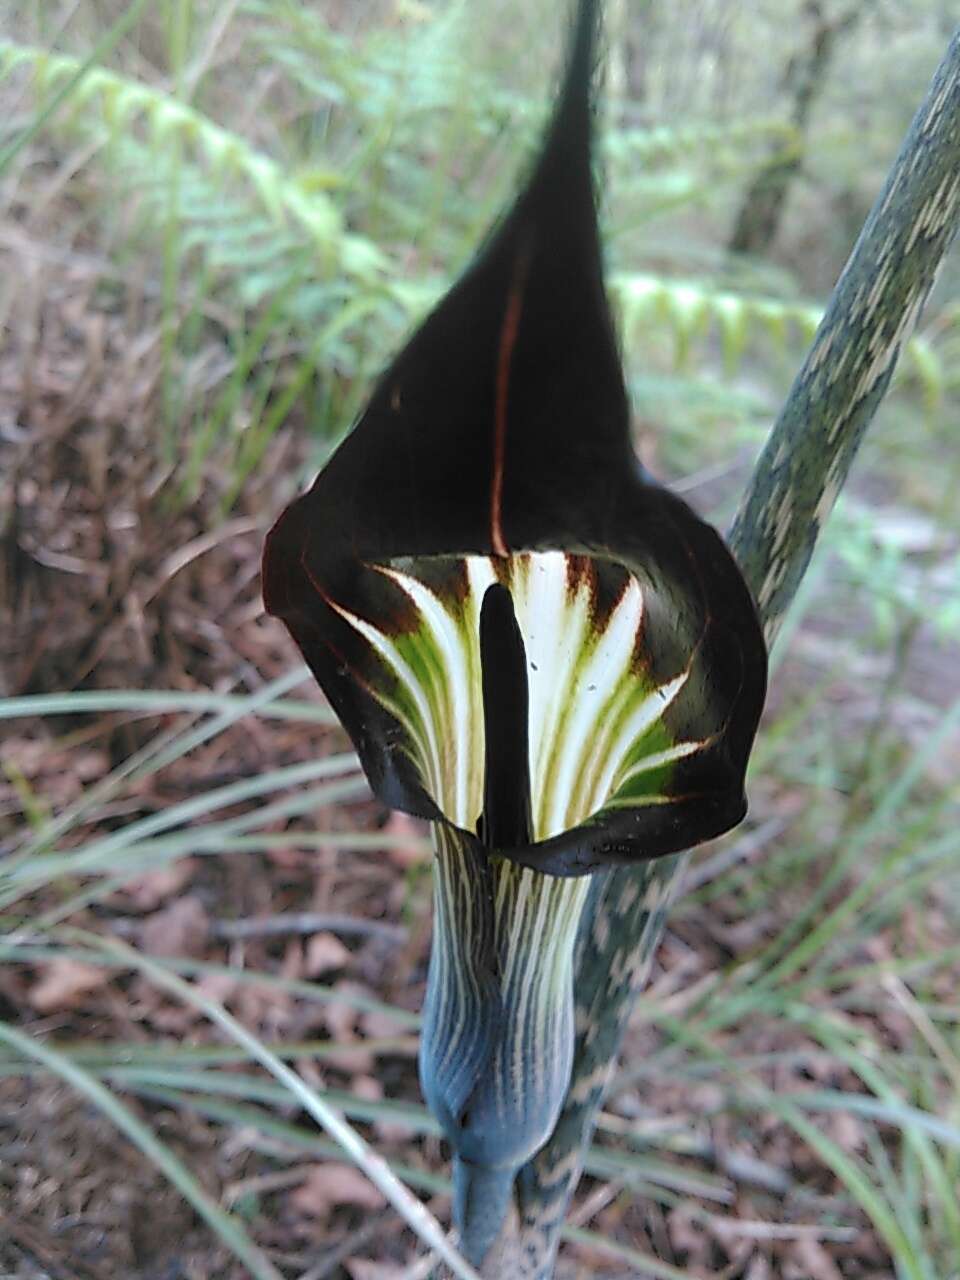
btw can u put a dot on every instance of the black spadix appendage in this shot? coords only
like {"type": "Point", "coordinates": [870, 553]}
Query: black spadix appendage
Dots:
{"type": "Point", "coordinates": [505, 821]}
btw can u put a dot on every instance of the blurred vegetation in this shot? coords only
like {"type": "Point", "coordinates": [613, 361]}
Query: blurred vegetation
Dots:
{"type": "Point", "coordinates": [316, 178]}
{"type": "Point", "coordinates": [292, 184]}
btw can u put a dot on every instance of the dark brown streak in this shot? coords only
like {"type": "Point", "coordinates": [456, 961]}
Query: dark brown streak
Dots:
{"type": "Point", "coordinates": [508, 339]}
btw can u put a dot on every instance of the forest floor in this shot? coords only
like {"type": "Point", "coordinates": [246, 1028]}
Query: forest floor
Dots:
{"type": "Point", "coordinates": [106, 585]}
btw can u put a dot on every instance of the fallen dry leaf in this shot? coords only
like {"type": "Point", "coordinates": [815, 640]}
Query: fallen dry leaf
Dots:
{"type": "Point", "coordinates": [291, 967]}
{"type": "Point", "coordinates": [181, 929]}
{"type": "Point", "coordinates": [325, 952]}
{"type": "Point", "coordinates": [758, 1269]}
{"type": "Point", "coordinates": [340, 1016]}
{"type": "Point", "coordinates": [218, 986]}
{"type": "Point", "coordinates": [401, 828]}
{"type": "Point", "coordinates": [63, 982]}
{"type": "Point", "coordinates": [351, 1056]}
{"type": "Point", "coordinates": [846, 1130]}
{"type": "Point", "coordinates": [328, 1185]}
{"type": "Point", "coordinates": [811, 1261]}
{"type": "Point", "coordinates": [370, 1089]}
{"type": "Point", "coordinates": [367, 1087]}
{"type": "Point", "coordinates": [148, 891]}
{"type": "Point", "coordinates": [367, 1269]}
{"type": "Point", "coordinates": [377, 1023]}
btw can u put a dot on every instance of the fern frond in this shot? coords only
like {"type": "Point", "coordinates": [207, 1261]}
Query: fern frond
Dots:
{"type": "Point", "coordinates": [110, 105]}
{"type": "Point", "coordinates": [692, 312]}
{"type": "Point", "coordinates": [266, 231]}
{"type": "Point", "coordinates": [657, 143]}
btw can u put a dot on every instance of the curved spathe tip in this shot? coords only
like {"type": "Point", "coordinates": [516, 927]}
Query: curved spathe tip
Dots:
{"type": "Point", "coordinates": [481, 1201]}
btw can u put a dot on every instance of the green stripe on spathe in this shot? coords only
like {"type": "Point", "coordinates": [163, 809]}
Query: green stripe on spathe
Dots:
{"type": "Point", "coordinates": [432, 684]}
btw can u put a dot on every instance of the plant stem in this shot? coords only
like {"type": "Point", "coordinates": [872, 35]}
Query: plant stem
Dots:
{"type": "Point", "coordinates": [873, 308]}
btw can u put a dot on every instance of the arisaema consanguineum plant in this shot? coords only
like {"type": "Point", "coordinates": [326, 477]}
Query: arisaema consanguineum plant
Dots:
{"type": "Point", "coordinates": [532, 644]}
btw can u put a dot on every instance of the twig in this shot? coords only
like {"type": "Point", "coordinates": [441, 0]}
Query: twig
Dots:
{"type": "Point", "coordinates": [742, 1229]}
{"type": "Point", "coordinates": [199, 546]}
{"type": "Point", "coordinates": [285, 922]}
{"type": "Point", "coordinates": [596, 1202]}
{"type": "Point", "coordinates": [308, 922]}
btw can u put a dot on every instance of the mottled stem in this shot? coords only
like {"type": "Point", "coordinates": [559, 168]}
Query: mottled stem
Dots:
{"type": "Point", "coordinates": [793, 488]}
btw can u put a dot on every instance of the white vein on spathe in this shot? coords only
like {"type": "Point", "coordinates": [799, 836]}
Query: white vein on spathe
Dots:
{"type": "Point", "coordinates": [576, 754]}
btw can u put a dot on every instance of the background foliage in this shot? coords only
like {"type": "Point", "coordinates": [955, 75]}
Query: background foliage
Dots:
{"type": "Point", "coordinates": [215, 229]}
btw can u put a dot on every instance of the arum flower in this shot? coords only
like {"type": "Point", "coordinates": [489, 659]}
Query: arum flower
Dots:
{"type": "Point", "coordinates": [532, 644]}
